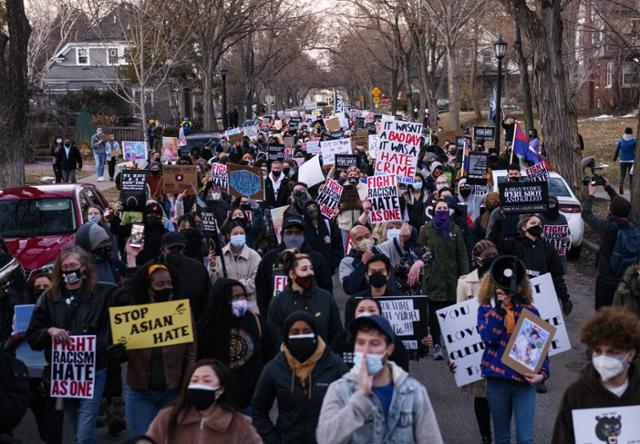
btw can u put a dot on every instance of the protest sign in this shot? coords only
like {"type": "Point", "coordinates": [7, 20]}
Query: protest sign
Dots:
{"type": "Point", "coordinates": [537, 173]}
{"type": "Point", "coordinates": [298, 160]}
{"type": "Point", "coordinates": [313, 145]}
{"type": "Point", "coordinates": [559, 236]}
{"type": "Point", "coordinates": [478, 162]}
{"type": "Point", "coordinates": [344, 161]}
{"type": "Point", "coordinates": [179, 178]}
{"type": "Point", "coordinates": [332, 124]}
{"type": "Point", "coordinates": [397, 150]}
{"type": "Point", "coordinates": [546, 301]}
{"type": "Point", "coordinates": [34, 360]}
{"type": "Point", "coordinates": [382, 191]}
{"type": "Point", "coordinates": [288, 153]}
{"type": "Point", "coordinates": [152, 325]}
{"type": "Point", "coordinates": [182, 140]}
{"type": "Point", "coordinates": [209, 224]}
{"type": "Point", "coordinates": [134, 150]}
{"type": "Point", "coordinates": [251, 131]}
{"type": "Point", "coordinates": [275, 152]}
{"type": "Point", "coordinates": [219, 178]}
{"type": "Point", "coordinates": [360, 139]}
{"type": "Point", "coordinates": [344, 122]}
{"type": "Point", "coordinates": [604, 425]}
{"type": "Point", "coordinates": [277, 124]}
{"type": "Point", "coordinates": [277, 219]}
{"type": "Point", "coordinates": [351, 199]}
{"type": "Point", "coordinates": [310, 172]}
{"type": "Point", "coordinates": [528, 344]}
{"type": "Point", "coordinates": [73, 367]}
{"type": "Point", "coordinates": [133, 191]}
{"type": "Point", "coordinates": [374, 141]}
{"type": "Point", "coordinates": [245, 181]}
{"type": "Point", "coordinates": [279, 284]}
{"type": "Point", "coordinates": [483, 133]}
{"type": "Point", "coordinates": [524, 197]}
{"type": "Point", "coordinates": [330, 148]}
{"type": "Point", "coordinates": [289, 142]}
{"type": "Point", "coordinates": [408, 316]}
{"type": "Point", "coordinates": [169, 149]}
{"type": "Point", "coordinates": [329, 199]}
{"type": "Point", "coordinates": [234, 135]}
{"type": "Point", "coordinates": [461, 143]}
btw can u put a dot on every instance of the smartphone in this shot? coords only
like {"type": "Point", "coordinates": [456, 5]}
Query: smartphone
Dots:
{"type": "Point", "coordinates": [137, 235]}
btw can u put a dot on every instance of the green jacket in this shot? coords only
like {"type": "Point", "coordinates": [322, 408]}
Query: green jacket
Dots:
{"type": "Point", "coordinates": [450, 262]}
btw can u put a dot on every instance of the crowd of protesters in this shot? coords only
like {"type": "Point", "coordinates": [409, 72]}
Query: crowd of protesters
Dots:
{"type": "Point", "coordinates": [335, 378]}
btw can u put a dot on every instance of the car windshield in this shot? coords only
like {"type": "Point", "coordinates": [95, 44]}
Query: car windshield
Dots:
{"type": "Point", "coordinates": [36, 217]}
{"type": "Point", "coordinates": [556, 186]}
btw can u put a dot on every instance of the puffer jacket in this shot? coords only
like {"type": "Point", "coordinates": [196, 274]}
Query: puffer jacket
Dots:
{"type": "Point", "coordinates": [349, 417]}
{"type": "Point", "coordinates": [626, 149]}
{"type": "Point", "coordinates": [628, 292]}
{"type": "Point", "coordinates": [450, 262]}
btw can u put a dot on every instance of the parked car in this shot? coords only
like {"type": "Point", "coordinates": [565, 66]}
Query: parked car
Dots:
{"type": "Point", "coordinates": [36, 222]}
{"type": "Point", "coordinates": [198, 140]}
{"type": "Point", "coordinates": [569, 205]}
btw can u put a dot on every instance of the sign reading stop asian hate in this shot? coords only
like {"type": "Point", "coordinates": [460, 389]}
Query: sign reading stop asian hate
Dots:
{"type": "Point", "coordinates": [382, 192]}
{"type": "Point", "coordinates": [73, 367]}
{"type": "Point", "coordinates": [397, 150]}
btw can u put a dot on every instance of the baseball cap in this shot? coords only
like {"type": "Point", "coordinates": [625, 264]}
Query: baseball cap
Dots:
{"type": "Point", "coordinates": [376, 321]}
{"type": "Point", "coordinates": [173, 239]}
{"type": "Point", "coordinates": [291, 221]}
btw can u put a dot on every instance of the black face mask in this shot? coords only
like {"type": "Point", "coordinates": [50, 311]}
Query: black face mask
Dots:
{"type": "Point", "coordinates": [188, 233]}
{"type": "Point", "coordinates": [301, 199]}
{"type": "Point", "coordinates": [102, 253]}
{"type": "Point", "coordinates": [313, 213]}
{"type": "Point", "coordinates": [377, 279]}
{"type": "Point", "coordinates": [286, 171]}
{"type": "Point", "coordinates": [153, 220]}
{"type": "Point", "coordinates": [535, 231]}
{"type": "Point", "coordinates": [155, 172]}
{"type": "Point", "coordinates": [514, 179]}
{"type": "Point", "coordinates": [552, 213]}
{"type": "Point", "coordinates": [72, 277]}
{"type": "Point", "coordinates": [201, 398]}
{"type": "Point", "coordinates": [162, 295]}
{"type": "Point", "coordinates": [173, 258]}
{"type": "Point", "coordinates": [353, 180]}
{"type": "Point", "coordinates": [301, 347]}
{"type": "Point", "coordinates": [464, 192]}
{"type": "Point", "coordinates": [275, 173]}
{"type": "Point", "coordinates": [490, 208]}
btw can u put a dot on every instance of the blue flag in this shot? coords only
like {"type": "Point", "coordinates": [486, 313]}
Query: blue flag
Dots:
{"type": "Point", "coordinates": [492, 106]}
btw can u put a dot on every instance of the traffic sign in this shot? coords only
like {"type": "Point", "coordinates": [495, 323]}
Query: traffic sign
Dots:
{"type": "Point", "coordinates": [375, 92]}
{"type": "Point", "coordinates": [376, 100]}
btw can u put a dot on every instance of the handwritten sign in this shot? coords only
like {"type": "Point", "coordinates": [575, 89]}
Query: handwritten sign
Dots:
{"type": "Point", "coordinates": [245, 181]}
{"type": "Point", "coordinates": [133, 190]}
{"type": "Point", "coordinates": [277, 219]}
{"type": "Point", "coordinates": [332, 124]}
{"type": "Point", "coordinates": [134, 150]}
{"type": "Point", "coordinates": [152, 325]}
{"type": "Point", "coordinates": [477, 172]}
{"type": "Point", "coordinates": [330, 148]}
{"type": "Point", "coordinates": [329, 199]}
{"type": "Point", "coordinates": [179, 178]}
{"type": "Point", "coordinates": [537, 173]}
{"type": "Point", "coordinates": [398, 148]}
{"type": "Point", "coordinates": [408, 316]}
{"type": "Point", "coordinates": [73, 367]}
{"type": "Point", "coordinates": [219, 178]}
{"type": "Point", "coordinates": [360, 139]}
{"type": "Point", "coordinates": [313, 145]}
{"type": "Point", "coordinates": [382, 191]}
{"type": "Point", "coordinates": [559, 236]}
{"type": "Point", "coordinates": [524, 197]}
{"type": "Point", "coordinates": [374, 142]}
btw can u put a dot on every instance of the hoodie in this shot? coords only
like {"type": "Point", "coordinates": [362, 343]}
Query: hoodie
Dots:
{"type": "Point", "coordinates": [626, 149]}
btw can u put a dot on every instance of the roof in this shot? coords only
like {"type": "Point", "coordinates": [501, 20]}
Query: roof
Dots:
{"type": "Point", "coordinates": [66, 73]}
{"type": "Point", "coordinates": [111, 27]}
{"type": "Point", "coordinates": [41, 191]}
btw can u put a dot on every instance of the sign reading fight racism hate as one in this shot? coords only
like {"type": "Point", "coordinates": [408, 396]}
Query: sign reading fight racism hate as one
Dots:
{"type": "Point", "coordinates": [73, 367]}
{"type": "Point", "coordinates": [397, 150]}
{"type": "Point", "coordinates": [382, 192]}
{"type": "Point", "coordinates": [219, 178]}
{"type": "Point", "coordinates": [329, 199]}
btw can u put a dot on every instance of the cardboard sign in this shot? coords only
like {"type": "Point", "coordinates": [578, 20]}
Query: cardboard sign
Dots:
{"type": "Point", "coordinates": [360, 139]}
{"type": "Point", "coordinates": [169, 149]}
{"type": "Point", "coordinates": [133, 191]}
{"type": "Point", "coordinates": [219, 178]}
{"type": "Point", "coordinates": [277, 219]}
{"type": "Point", "coordinates": [528, 344]}
{"type": "Point", "coordinates": [73, 367]}
{"type": "Point", "coordinates": [603, 425]}
{"type": "Point", "coordinates": [245, 181]}
{"type": "Point", "coordinates": [344, 161]}
{"type": "Point", "coordinates": [559, 236]}
{"type": "Point", "coordinates": [537, 173]}
{"type": "Point", "coordinates": [329, 199]}
{"type": "Point", "coordinates": [234, 135]}
{"type": "Point", "coordinates": [275, 152]}
{"type": "Point", "coordinates": [478, 162]}
{"type": "Point", "coordinates": [179, 178]}
{"type": "Point", "coordinates": [152, 325]}
{"type": "Point", "coordinates": [313, 145]}
{"type": "Point", "coordinates": [483, 133]}
{"type": "Point", "coordinates": [408, 315]}
{"type": "Point", "coordinates": [382, 191]}
{"type": "Point", "coordinates": [330, 148]}
{"type": "Point", "coordinates": [279, 284]}
{"type": "Point", "coordinates": [332, 124]}
{"type": "Point", "coordinates": [524, 197]}
{"type": "Point", "coordinates": [134, 150]}
{"type": "Point", "coordinates": [398, 149]}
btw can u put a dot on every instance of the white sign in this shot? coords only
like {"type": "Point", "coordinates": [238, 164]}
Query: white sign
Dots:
{"type": "Point", "coordinates": [329, 199]}
{"type": "Point", "coordinates": [606, 425]}
{"type": "Point", "coordinates": [397, 150]}
{"type": "Point", "coordinates": [330, 148]}
{"type": "Point", "coordinates": [310, 173]}
{"type": "Point", "coordinates": [313, 145]}
{"type": "Point", "coordinates": [546, 301]}
{"type": "Point", "coordinates": [374, 140]}
{"type": "Point", "coordinates": [73, 367]}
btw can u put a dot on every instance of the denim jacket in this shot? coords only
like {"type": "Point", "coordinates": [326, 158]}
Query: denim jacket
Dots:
{"type": "Point", "coordinates": [349, 417]}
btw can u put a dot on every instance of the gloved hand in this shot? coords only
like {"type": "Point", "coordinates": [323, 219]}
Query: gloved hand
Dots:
{"type": "Point", "coordinates": [14, 341]}
{"type": "Point", "coordinates": [116, 353]}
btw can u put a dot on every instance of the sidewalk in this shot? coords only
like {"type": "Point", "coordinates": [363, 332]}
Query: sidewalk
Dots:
{"type": "Point", "coordinates": [44, 170]}
{"type": "Point", "coordinates": [602, 194]}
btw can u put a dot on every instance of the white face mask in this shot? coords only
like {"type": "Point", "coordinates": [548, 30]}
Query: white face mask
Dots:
{"type": "Point", "coordinates": [393, 233]}
{"type": "Point", "coordinates": [609, 366]}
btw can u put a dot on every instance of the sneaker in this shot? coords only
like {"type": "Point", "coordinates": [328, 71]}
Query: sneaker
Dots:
{"type": "Point", "coordinates": [100, 179]}
{"type": "Point", "coordinates": [540, 387]}
{"type": "Point", "coordinates": [437, 352]}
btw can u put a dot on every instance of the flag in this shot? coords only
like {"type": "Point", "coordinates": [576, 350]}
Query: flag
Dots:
{"type": "Point", "coordinates": [520, 144]}
{"type": "Point", "coordinates": [340, 106]}
{"type": "Point", "coordinates": [492, 106]}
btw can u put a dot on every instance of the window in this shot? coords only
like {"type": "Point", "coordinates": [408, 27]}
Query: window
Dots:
{"type": "Point", "coordinates": [609, 75]}
{"type": "Point", "coordinates": [82, 56]}
{"type": "Point", "coordinates": [628, 75]}
{"type": "Point", "coordinates": [127, 55]}
{"type": "Point", "coordinates": [36, 217]}
{"type": "Point", "coordinates": [112, 56]}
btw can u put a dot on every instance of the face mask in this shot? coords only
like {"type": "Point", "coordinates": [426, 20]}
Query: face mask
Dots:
{"type": "Point", "coordinates": [94, 218]}
{"type": "Point", "coordinates": [302, 346]}
{"type": "Point", "coordinates": [304, 281]}
{"type": "Point", "coordinates": [365, 245]}
{"type": "Point", "coordinates": [393, 233]}
{"type": "Point", "coordinates": [440, 217]}
{"type": "Point", "coordinates": [417, 186]}
{"type": "Point", "coordinates": [155, 172]}
{"type": "Point", "coordinates": [72, 277]}
{"type": "Point", "coordinates": [374, 363]}
{"type": "Point", "coordinates": [188, 233]}
{"type": "Point", "coordinates": [286, 171]}
{"type": "Point", "coordinates": [552, 213]}
{"type": "Point", "coordinates": [514, 179]}
{"type": "Point", "coordinates": [490, 208]}
{"type": "Point", "coordinates": [609, 366]}
{"type": "Point", "coordinates": [377, 279]}
{"type": "Point", "coordinates": [535, 231]}
{"type": "Point", "coordinates": [238, 240]}
{"type": "Point", "coordinates": [239, 307]}
{"type": "Point", "coordinates": [301, 199]}
{"type": "Point", "coordinates": [67, 145]}
{"type": "Point", "coordinates": [313, 213]}
{"type": "Point", "coordinates": [154, 219]}
{"type": "Point", "coordinates": [364, 314]}
{"type": "Point", "coordinates": [464, 192]}
{"type": "Point", "coordinates": [353, 180]}
{"type": "Point", "coordinates": [102, 253]}
{"type": "Point", "coordinates": [58, 141]}
{"type": "Point", "coordinates": [275, 173]}
{"type": "Point", "coordinates": [201, 396]}
{"type": "Point", "coordinates": [293, 240]}
{"type": "Point", "coordinates": [38, 290]}
{"type": "Point", "coordinates": [162, 295]}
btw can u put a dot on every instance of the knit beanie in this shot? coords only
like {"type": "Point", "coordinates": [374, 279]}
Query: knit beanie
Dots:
{"type": "Point", "coordinates": [620, 207]}
{"type": "Point", "coordinates": [90, 236]}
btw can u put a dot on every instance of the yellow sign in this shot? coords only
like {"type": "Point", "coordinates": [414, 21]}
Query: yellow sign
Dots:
{"type": "Point", "coordinates": [152, 325]}
{"type": "Point", "coordinates": [376, 100]}
{"type": "Point", "coordinates": [375, 92]}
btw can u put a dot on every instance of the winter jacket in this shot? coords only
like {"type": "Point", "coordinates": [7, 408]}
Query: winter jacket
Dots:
{"type": "Point", "coordinates": [221, 427]}
{"type": "Point", "coordinates": [626, 149]}
{"type": "Point", "coordinates": [176, 361]}
{"type": "Point", "coordinates": [97, 145]}
{"type": "Point", "coordinates": [351, 273]}
{"type": "Point", "coordinates": [491, 326]}
{"type": "Point", "coordinates": [502, 228]}
{"type": "Point", "coordinates": [588, 392]}
{"type": "Point", "coordinates": [628, 292]}
{"type": "Point", "coordinates": [349, 417]}
{"type": "Point", "coordinates": [450, 262]}
{"type": "Point", "coordinates": [86, 315]}
{"type": "Point", "coordinates": [297, 414]}
{"type": "Point", "coordinates": [71, 162]}
{"type": "Point", "coordinates": [315, 301]}
{"type": "Point", "coordinates": [242, 268]}
{"type": "Point", "coordinates": [273, 199]}
{"type": "Point", "coordinates": [468, 286]}
{"type": "Point", "coordinates": [326, 240]}
{"type": "Point", "coordinates": [14, 391]}
{"type": "Point", "coordinates": [416, 208]}
{"type": "Point", "coordinates": [111, 148]}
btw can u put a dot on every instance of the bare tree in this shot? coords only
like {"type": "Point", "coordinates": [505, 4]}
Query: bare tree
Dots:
{"type": "Point", "coordinates": [525, 84]}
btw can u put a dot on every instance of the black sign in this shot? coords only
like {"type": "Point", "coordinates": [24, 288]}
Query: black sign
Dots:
{"type": "Point", "coordinates": [371, 127]}
{"type": "Point", "coordinates": [344, 161]}
{"type": "Point", "coordinates": [482, 133]}
{"type": "Point", "coordinates": [460, 142]}
{"type": "Point", "coordinates": [409, 317]}
{"type": "Point", "coordinates": [476, 174]}
{"type": "Point", "coordinates": [209, 225]}
{"type": "Point", "coordinates": [360, 122]}
{"type": "Point", "coordinates": [275, 152]}
{"type": "Point", "coordinates": [133, 194]}
{"type": "Point", "coordinates": [524, 197]}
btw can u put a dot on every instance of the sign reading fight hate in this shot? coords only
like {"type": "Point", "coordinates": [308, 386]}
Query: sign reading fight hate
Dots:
{"type": "Point", "coordinates": [152, 325]}
{"type": "Point", "coordinates": [73, 367]}
{"type": "Point", "coordinates": [397, 150]}
{"type": "Point", "coordinates": [329, 199]}
{"type": "Point", "coordinates": [382, 192]}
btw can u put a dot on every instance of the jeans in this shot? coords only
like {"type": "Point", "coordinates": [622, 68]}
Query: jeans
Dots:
{"type": "Point", "coordinates": [100, 159]}
{"type": "Point", "coordinates": [142, 406]}
{"type": "Point", "coordinates": [82, 413]}
{"type": "Point", "coordinates": [68, 176]}
{"type": "Point", "coordinates": [507, 398]}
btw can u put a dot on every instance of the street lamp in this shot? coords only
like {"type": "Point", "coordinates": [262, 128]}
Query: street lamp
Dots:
{"type": "Point", "coordinates": [499, 47]}
{"type": "Point", "coordinates": [225, 119]}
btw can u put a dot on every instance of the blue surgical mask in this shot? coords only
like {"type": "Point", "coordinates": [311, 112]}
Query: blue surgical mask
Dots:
{"type": "Point", "coordinates": [293, 241]}
{"type": "Point", "coordinates": [393, 233]}
{"type": "Point", "coordinates": [238, 240]}
{"type": "Point", "coordinates": [94, 218]}
{"type": "Point", "coordinates": [417, 186]}
{"type": "Point", "coordinates": [239, 307]}
{"type": "Point", "coordinates": [374, 363]}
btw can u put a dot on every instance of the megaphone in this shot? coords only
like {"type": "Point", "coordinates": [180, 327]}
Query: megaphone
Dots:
{"type": "Point", "coordinates": [508, 272]}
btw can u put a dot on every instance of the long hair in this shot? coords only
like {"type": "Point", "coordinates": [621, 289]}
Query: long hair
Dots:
{"type": "Point", "coordinates": [488, 290]}
{"type": "Point", "coordinates": [138, 289]}
{"type": "Point", "coordinates": [89, 279]}
{"type": "Point", "coordinates": [182, 404]}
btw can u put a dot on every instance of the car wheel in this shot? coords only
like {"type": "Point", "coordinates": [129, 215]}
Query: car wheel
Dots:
{"type": "Point", "coordinates": [574, 253]}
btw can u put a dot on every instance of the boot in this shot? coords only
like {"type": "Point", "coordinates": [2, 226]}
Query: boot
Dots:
{"type": "Point", "coordinates": [115, 413]}
{"type": "Point", "coordinates": [102, 414]}
{"type": "Point", "coordinates": [621, 189]}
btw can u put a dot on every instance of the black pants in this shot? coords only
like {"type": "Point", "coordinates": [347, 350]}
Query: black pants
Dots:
{"type": "Point", "coordinates": [625, 167]}
{"type": "Point", "coordinates": [49, 420]}
{"type": "Point", "coordinates": [434, 325]}
{"type": "Point", "coordinates": [57, 171]}
{"type": "Point", "coordinates": [483, 416]}
{"type": "Point", "coordinates": [112, 166]}
{"type": "Point", "coordinates": [605, 289]}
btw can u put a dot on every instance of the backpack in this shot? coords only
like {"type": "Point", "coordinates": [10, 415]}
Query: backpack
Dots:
{"type": "Point", "coordinates": [626, 249]}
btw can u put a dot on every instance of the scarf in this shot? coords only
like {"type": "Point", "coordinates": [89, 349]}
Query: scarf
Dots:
{"type": "Point", "coordinates": [510, 316]}
{"type": "Point", "coordinates": [303, 370]}
{"type": "Point", "coordinates": [441, 224]}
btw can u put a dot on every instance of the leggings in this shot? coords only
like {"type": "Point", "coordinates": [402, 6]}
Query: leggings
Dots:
{"type": "Point", "coordinates": [483, 416]}
{"type": "Point", "coordinates": [625, 167]}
